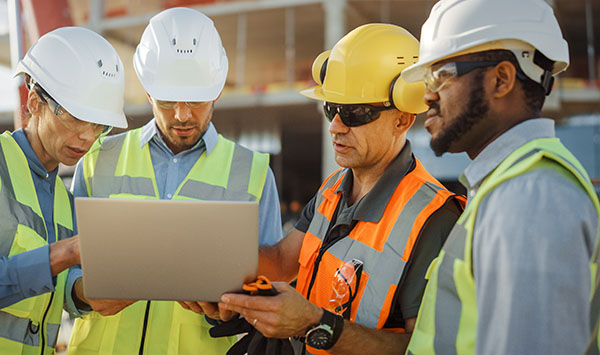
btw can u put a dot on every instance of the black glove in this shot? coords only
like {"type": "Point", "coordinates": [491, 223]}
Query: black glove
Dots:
{"type": "Point", "coordinates": [253, 343]}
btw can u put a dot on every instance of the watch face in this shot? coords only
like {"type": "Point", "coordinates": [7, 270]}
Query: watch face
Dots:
{"type": "Point", "coordinates": [318, 338]}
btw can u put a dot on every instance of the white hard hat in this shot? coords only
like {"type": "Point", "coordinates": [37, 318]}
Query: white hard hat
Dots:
{"type": "Point", "coordinates": [457, 27]}
{"type": "Point", "coordinates": [180, 57]}
{"type": "Point", "coordinates": [81, 71]}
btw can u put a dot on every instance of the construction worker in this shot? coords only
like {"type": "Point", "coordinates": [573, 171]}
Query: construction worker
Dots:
{"type": "Point", "coordinates": [363, 244]}
{"type": "Point", "coordinates": [75, 83]}
{"type": "Point", "coordinates": [182, 65]}
{"type": "Point", "coordinates": [514, 275]}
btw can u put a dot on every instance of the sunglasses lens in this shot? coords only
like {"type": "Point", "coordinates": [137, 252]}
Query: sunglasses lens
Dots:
{"type": "Point", "coordinates": [352, 115]}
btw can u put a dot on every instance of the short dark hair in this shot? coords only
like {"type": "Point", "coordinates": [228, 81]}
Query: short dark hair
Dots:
{"type": "Point", "coordinates": [534, 92]}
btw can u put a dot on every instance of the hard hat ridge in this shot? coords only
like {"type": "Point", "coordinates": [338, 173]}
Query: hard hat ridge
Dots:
{"type": "Point", "coordinates": [180, 57]}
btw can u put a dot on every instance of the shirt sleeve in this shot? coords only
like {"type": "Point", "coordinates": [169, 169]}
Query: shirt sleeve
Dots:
{"type": "Point", "coordinates": [25, 275]}
{"type": "Point", "coordinates": [533, 239]}
{"type": "Point", "coordinates": [429, 244]}
{"type": "Point", "coordinates": [307, 215]}
{"type": "Point", "coordinates": [269, 213]}
{"type": "Point", "coordinates": [78, 186]}
{"type": "Point", "coordinates": [79, 189]}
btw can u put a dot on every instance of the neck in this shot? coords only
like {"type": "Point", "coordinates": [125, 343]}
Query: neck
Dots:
{"type": "Point", "coordinates": [37, 146]}
{"type": "Point", "coordinates": [364, 178]}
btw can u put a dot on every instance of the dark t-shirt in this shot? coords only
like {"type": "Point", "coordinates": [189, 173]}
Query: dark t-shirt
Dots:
{"type": "Point", "coordinates": [370, 208]}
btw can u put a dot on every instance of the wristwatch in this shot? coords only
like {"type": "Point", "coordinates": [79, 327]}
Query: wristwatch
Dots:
{"type": "Point", "coordinates": [325, 334]}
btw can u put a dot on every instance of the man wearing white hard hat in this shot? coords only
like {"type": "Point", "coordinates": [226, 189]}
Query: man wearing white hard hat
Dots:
{"type": "Point", "coordinates": [75, 82]}
{"type": "Point", "coordinates": [514, 275]}
{"type": "Point", "coordinates": [182, 65]}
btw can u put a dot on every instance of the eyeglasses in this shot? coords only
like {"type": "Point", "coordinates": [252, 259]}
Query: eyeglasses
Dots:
{"type": "Point", "coordinates": [169, 105]}
{"type": "Point", "coordinates": [435, 79]}
{"type": "Point", "coordinates": [354, 115]}
{"type": "Point", "coordinates": [347, 276]}
{"type": "Point", "coordinates": [72, 123]}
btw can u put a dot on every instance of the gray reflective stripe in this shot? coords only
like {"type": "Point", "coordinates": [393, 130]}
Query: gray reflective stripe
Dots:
{"type": "Point", "coordinates": [448, 306]}
{"type": "Point", "coordinates": [106, 164]}
{"type": "Point", "coordinates": [105, 185]}
{"type": "Point", "coordinates": [52, 334]}
{"type": "Point", "coordinates": [447, 309]}
{"type": "Point", "coordinates": [203, 191]}
{"type": "Point", "coordinates": [62, 232]}
{"type": "Point", "coordinates": [14, 210]}
{"type": "Point", "coordinates": [388, 267]}
{"type": "Point", "coordinates": [564, 159]}
{"type": "Point", "coordinates": [319, 224]}
{"type": "Point", "coordinates": [237, 181]}
{"type": "Point", "coordinates": [17, 329]}
{"type": "Point", "coordinates": [241, 167]}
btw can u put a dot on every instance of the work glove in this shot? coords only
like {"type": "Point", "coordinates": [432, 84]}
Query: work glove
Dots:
{"type": "Point", "coordinates": [253, 343]}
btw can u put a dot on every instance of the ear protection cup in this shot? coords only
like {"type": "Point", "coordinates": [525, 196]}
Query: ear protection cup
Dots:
{"type": "Point", "coordinates": [319, 67]}
{"type": "Point", "coordinates": [407, 96]}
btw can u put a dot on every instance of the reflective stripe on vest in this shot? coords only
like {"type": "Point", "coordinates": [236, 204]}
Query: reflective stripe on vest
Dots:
{"type": "Point", "coordinates": [447, 321]}
{"type": "Point", "coordinates": [121, 169]}
{"type": "Point", "coordinates": [384, 247]}
{"type": "Point", "coordinates": [21, 327]}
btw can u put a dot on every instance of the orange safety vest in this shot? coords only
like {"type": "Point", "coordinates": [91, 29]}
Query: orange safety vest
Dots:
{"type": "Point", "coordinates": [384, 247]}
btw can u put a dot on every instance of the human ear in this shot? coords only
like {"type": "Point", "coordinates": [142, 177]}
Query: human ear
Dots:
{"type": "Point", "coordinates": [33, 102]}
{"type": "Point", "coordinates": [505, 75]}
{"type": "Point", "coordinates": [403, 122]}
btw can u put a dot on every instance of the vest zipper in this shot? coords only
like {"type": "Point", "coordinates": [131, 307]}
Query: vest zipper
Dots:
{"type": "Point", "coordinates": [42, 325]}
{"type": "Point", "coordinates": [144, 328]}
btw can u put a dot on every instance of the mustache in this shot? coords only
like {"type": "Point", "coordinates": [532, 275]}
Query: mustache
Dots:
{"type": "Point", "coordinates": [434, 106]}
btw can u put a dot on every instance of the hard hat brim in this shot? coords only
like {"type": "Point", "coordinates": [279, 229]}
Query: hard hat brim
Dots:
{"type": "Point", "coordinates": [317, 93]}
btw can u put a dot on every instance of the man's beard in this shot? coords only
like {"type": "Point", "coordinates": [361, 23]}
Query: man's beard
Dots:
{"type": "Point", "coordinates": [477, 109]}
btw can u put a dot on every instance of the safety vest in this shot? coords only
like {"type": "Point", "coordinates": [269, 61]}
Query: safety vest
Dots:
{"type": "Point", "coordinates": [121, 168]}
{"type": "Point", "coordinates": [384, 247]}
{"type": "Point", "coordinates": [594, 345]}
{"type": "Point", "coordinates": [447, 321]}
{"type": "Point", "coordinates": [29, 326]}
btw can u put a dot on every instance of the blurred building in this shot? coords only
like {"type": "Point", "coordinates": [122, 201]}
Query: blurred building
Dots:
{"type": "Point", "coordinates": [271, 45]}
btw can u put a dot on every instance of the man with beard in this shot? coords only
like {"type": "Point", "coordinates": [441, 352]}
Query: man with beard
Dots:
{"type": "Point", "coordinates": [362, 245]}
{"type": "Point", "coordinates": [514, 275]}
{"type": "Point", "coordinates": [182, 65]}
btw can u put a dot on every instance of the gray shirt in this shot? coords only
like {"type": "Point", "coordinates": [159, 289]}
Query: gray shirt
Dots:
{"type": "Point", "coordinates": [533, 239]}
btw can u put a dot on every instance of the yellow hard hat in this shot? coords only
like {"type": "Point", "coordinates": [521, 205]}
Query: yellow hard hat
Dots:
{"type": "Point", "coordinates": [365, 66]}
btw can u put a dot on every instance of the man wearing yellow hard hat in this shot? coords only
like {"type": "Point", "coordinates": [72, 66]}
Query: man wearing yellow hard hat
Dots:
{"type": "Point", "coordinates": [514, 275]}
{"type": "Point", "coordinates": [362, 246]}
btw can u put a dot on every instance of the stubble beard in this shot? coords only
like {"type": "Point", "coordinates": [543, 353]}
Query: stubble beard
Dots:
{"type": "Point", "coordinates": [477, 109]}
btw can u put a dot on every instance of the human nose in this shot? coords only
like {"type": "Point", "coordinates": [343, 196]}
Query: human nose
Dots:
{"type": "Point", "coordinates": [430, 96]}
{"type": "Point", "coordinates": [87, 132]}
{"type": "Point", "coordinates": [337, 126]}
{"type": "Point", "coordinates": [182, 112]}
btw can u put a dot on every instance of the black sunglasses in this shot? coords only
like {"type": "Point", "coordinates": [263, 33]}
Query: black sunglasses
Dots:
{"type": "Point", "coordinates": [354, 115]}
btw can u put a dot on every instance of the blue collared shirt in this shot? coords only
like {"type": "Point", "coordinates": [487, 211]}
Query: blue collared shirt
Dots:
{"type": "Point", "coordinates": [28, 274]}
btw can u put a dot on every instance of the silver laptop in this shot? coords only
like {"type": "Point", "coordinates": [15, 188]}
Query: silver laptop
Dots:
{"type": "Point", "coordinates": [166, 250]}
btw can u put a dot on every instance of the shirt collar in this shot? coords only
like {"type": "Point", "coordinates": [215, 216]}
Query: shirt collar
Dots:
{"type": "Point", "coordinates": [492, 155]}
{"type": "Point", "coordinates": [209, 138]}
{"type": "Point", "coordinates": [32, 159]}
{"type": "Point", "coordinates": [372, 206]}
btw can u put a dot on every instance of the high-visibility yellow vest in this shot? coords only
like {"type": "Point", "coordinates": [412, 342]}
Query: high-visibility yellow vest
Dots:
{"type": "Point", "coordinates": [385, 247]}
{"type": "Point", "coordinates": [29, 326]}
{"type": "Point", "coordinates": [594, 345]}
{"type": "Point", "coordinates": [122, 168]}
{"type": "Point", "coordinates": [447, 321]}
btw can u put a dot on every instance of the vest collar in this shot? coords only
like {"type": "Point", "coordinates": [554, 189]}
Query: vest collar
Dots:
{"type": "Point", "coordinates": [35, 165]}
{"type": "Point", "coordinates": [209, 139]}
{"type": "Point", "coordinates": [492, 155]}
{"type": "Point", "coordinates": [371, 207]}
